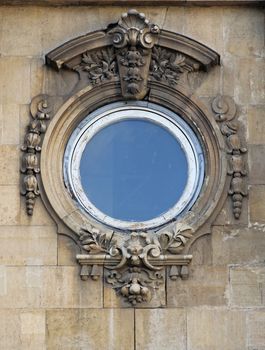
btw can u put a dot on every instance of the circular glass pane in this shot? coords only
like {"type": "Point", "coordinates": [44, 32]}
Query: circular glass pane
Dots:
{"type": "Point", "coordinates": [133, 170]}
{"type": "Point", "coordinates": [134, 166]}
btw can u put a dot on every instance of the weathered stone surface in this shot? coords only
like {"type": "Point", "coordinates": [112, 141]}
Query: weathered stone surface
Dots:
{"type": "Point", "coordinates": [226, 216]}
{"type": "Point", "coordinates": [35, 245]}
{"type": "Point", "coordinates": [216, 329]}
{"type": "Point", "coordinates": [255, 329]}
{"type": "Point", "coordinates": [90, 329]}
{"type": "Point", "coordinates": [243, 32]}
{"type": "Point", "coordinates": [160, 329]}
{"type": "Point", "coordinates": [257, 204]}
{"type": "Point", "coordinates": [18, 39]}
{"type": "Point", "coordinates": [10, 330]}
{"type": "Point", "coordinates": [67, 251]}
{"type": "Point", "coordinates": [9, 165]}
{"type": "Point", "coordinates": [256, 166]}
{"type": "Point", "coordinates": [9, 205]}
{"type": "Point", "coordinates": [49, 287]}
{"type": "Point", "coordinates": [237, 245]}
{"type": "Point", "coordinates": [247, 286]}
{"type": "Point", "coordinates": [41, 216]}
{"type": "Point", "coordinates": [9, 124]}
{"type": "Point", "coordinates": [206, 285]}
{"type": "Point", "coordinates": [14, 80]}
{"type": "Point", "coordinates": [32, 328]}
{"type": "Point", "coordinates": [256, 124]}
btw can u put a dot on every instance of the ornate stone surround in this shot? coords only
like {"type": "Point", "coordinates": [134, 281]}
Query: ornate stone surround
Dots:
{"type": "Point", "coordinates": [133, 60]}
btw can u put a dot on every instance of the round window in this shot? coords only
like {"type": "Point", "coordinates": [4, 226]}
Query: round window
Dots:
{"type": "Point", "coordinates": [134, 166]}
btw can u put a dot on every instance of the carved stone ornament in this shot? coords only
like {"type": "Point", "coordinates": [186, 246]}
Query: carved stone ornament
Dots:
{"type": "Point", "coordinates": [225, 110]}
{"type": "Point", "coordinates": [133, 60]}
{"type": "Point", "coordinates": [41, 112]}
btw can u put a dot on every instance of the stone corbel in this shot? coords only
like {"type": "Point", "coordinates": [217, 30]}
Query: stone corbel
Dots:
{"type": "Point", "coordinates": [134, 263]}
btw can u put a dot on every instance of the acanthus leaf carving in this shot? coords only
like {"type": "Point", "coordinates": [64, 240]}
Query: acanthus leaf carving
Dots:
{"type": "Point", "coordinates": [135, 263]}
{"type": "Point", "coordinates": [40, 112]}
{"type": "Point", "coordinates": [225, 110]}
{"type": "Point", "coordinates": [99, 65]}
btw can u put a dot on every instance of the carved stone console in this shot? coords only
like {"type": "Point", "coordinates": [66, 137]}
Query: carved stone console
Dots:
{"type": "Point", "coordinates": [133, 64]}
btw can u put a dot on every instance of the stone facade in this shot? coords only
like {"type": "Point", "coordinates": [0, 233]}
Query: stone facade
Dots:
{"type": "Point", "coordinates": [44, 303]}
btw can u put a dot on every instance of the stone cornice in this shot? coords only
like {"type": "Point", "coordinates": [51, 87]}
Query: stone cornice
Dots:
{"type": "Point", "coordinates": [132, 2]}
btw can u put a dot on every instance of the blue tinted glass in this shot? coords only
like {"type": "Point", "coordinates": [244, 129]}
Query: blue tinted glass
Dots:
{"type": "Point", "coordinates": [133, 170]}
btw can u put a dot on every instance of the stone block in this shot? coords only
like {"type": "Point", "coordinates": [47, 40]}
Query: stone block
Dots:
{"type": "Point", "coordinates": [243, 32]}
{"type": "Point", "coordinates": [9, 205]}
{"type": "Point", "coordinates": [257, 204]}
{"type": "Point", "coordinates": [32, 325]}
{"type": "Point", "coordinates": [256, 329]}
{"type": "Point", "coordinates": [9, 124]}
{"type": "Point", "coordinates": [37, 69]}
{"type": "Point", "coordinates": [14, 80]}
{"type": "Point", "coordinates": [175, 19]}
{"type": "Point", "coordinates": [249, 81]}
{"type": "Point", "coordinates": [9, 165]}
{"type": "Point", "coordinates": [256, 166]}
{"type": "Point", "coordinates": [113, 300]}
{"type": "Point", "coordinates": [247, 285]}
{"type": "Point", "coordinates": [91, 329]}
{"type": "Point", "coordinates": [208, 22]}
{"type": "Point", "coordinates": [206, 285]}
{"type": "Point", "coordinates": [206, 84]}
{"type": "Point", "coordinates": [216, 329]}
{"type": "Point", "coordinates": [49, 287]}
{"type": "Point", "coordinates": [22, 30]}
{"type": "Point", "coordinates": [256, 124]}
{"type": "Point", "coordinates": [10, 330]}
{"type": "Point", "coordinates": [237, 245]}
{"type": "Point", "coordinates": [160, 329]}
{"type": "Point", "coordinates": [60, 26]}
{"type": "Point", "coordinates": [22, 245]}
{"type": "Point", "coordinates": [67, 251]}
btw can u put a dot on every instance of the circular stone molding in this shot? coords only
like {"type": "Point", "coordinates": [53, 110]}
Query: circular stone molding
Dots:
{"type": "Point", "coordinates": [188, 122]}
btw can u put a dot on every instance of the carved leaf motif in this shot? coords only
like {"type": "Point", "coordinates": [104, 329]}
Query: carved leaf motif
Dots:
{"type": "Point", "coordinates": [100, 65]}
{"type": "Point", "coordinates": [174, 241]}
{"type": "Point", "coordinates": [93, 241]}
{"type": "Point", "coordinates": [166, 65]}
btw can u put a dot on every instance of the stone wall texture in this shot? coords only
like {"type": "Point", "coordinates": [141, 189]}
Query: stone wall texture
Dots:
{"type": "Point", "coordinates": [43, 302]}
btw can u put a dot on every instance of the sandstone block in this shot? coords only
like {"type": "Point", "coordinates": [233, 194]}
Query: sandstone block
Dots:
{"type": "Point", "coordinates": [256, 327]}
{"type": "Point", "coordinates": [244, 32]}
{"type": "Point", "coordinates": [33, 245]}
{"type": "Point", "coordinates": [9, 205]}
{"type": "Point", "coordinates": [160, 329]}
{"type": "Point", "coordinates": [216, 329]}
{"type": "Point", "coordinates": [90, 329]}
{"type": "Point", "coordinates": [22, 31]}
{"type": "Point", "coordinates": [256, 124]}
{"type": "Point", "coordinates": [9, 124]}
{"type": "Point", "coordinates": [257, 204]}
{"type": "Point", "coordinates": [206, 285]}
{"type": "Point", "coordinates": [14, 80]}
{"type": "Point", "coordinates": [247, 286]}
{"type": "Point", "coordinates": [237, 245]}
{"type": "Point", "coordinates": [10, 330]}
{"type": "Point", "coordinates": [256, 167]}
{"type": "Point", "coordinates": [9, 165]}
{"type": "Point", "coordinates": [49, 287]}
{"type": "Point", "coordinates": [32, 324]}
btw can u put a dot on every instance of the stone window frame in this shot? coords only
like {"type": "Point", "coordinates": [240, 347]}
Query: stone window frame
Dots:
{"type": "Point", "coordinates": [134, 263]}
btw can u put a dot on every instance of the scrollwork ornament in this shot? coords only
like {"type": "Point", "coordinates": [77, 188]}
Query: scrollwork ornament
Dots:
{"type": "Point", "coordinates": [40, 109]}
{"type": "Point", "coordinates": [225, 112]}
{"type": "Point", "coordinates": [134, 263]}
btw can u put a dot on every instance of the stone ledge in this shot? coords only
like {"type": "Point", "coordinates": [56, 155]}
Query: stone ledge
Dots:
{"type": "Point", "coordinates": [131, 2]}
